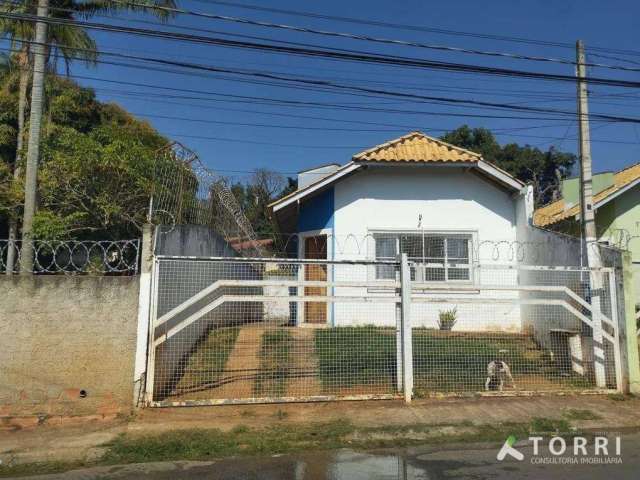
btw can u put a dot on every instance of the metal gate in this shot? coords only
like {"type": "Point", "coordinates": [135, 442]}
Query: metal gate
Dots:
{"type": "Point", "coordinates": [246, 330]}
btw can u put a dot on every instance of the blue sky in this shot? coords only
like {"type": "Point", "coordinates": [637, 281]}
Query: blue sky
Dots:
{"type": "Point", "coordinates": [331, 136]}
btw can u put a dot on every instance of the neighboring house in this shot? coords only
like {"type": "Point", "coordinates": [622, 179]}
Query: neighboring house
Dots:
{"type": "Point", "coordinates": [616, 202]}
{"type": "Point", "coordinates": [417, 195]}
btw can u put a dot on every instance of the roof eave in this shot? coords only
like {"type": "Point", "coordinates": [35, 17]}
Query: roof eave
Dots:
{"type": "Point", "coordinates": [596, 205]}
{"type": "Point", "coordinates": [320, 184]}
{"type": "Point", "coordinates": [500, 175]}
{"type": "Point", "coordinates": [488, 169]}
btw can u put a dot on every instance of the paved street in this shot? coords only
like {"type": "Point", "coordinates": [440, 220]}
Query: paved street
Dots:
{"type": "Point", "coordinates": [473, 462]}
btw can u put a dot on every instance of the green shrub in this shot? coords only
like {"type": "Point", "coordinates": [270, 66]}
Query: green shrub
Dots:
{"type": "Point", "coordinates": [447, 319]}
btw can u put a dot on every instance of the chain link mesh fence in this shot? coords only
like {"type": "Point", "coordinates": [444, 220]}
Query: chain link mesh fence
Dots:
{"type": "Point", "coordinates": [264, 330]}
{"type": "Point", "coordinates": [186, 192]}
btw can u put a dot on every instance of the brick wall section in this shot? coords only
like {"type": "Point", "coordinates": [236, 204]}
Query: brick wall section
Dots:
{"type": "Point", "coordinates": [62, 337]}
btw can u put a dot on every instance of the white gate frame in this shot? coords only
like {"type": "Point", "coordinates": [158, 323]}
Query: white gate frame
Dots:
{"type": "Point", "coordinates": [403, 297]}
{"type": "Point", "coordinates": [155, 322]}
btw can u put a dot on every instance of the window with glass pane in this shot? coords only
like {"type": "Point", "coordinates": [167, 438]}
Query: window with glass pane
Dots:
{"type": "Point", "coordinates": [385, 250]}
{"type": "Point", "coordinates": [436, 257]}
{"type": "Point", "coordinates": [458, 258]}
{"type": "Point", "coordinates": [413, 246]}
{"type": "Point", "coordinates": [434, 268]}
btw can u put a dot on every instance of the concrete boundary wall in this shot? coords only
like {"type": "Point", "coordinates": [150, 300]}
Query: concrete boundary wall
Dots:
{"type": "Point", "coordinates": [67, 345]}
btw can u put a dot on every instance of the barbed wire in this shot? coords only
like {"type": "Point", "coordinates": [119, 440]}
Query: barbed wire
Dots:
{"type": "Point", "coordinates": [77, 256]}
{"type": "Point", "coordinates": [622, 238]}
{"type": "Point", "coordinates": [562, 250]}
{"type": "Point", "coordinates": [187, 192]}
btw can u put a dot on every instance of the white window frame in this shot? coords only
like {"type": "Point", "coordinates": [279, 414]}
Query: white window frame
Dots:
{"type": "Point", "coordinates": [421, 267]}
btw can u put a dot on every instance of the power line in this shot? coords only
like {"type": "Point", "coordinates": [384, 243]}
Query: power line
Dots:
{"type": "Point", "coordinates": [162, 100]}
{"type": "Point", "coordinates": [255, 142]}
{"type": "Point", "coordinates": [369, 38]}
{"type": "Point", "coordinates": [296, 127]}
{"type": "Point", "coordinates": [267, 100]}
{"type": "Point", "coordinates": [611, 57]}
{"type": "Point", "coordinates": [146, 95]}
{"type": "Point", "coordinates": [310, 104]}
{"type": "Point", "coordinates": [353, 89]}
{"type": "Point", "coordinates": [537, 94]}
{"type": "Point", "coordinates": [400, 26]}
{"type": "Point", "coordinates": [333, 54]}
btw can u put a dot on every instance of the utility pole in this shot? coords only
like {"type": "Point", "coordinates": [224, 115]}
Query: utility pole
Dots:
{"type": "Point", "coordinates": [587, 215]}
{"type": "Point", "coordinates": [33, 149]}
{"type": "Point", "coordinates": [587, 219]}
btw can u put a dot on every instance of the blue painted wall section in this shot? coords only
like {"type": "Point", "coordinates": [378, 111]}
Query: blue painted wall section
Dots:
{"type": "Point", "coordinates": [317, 212]}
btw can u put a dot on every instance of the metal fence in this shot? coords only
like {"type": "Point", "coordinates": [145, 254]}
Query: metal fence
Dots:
{"type": "Point", "coordinates": [268, 330]}
{"type": "Point", "coordinates": [98, 257]}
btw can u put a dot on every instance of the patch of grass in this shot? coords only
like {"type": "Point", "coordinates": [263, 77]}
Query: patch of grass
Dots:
{"type": "Point", "coordinates": [275, 362]}
{"type": "Point", "coordinates": [349, 356]}
{"type": "Point", "coordinates": [238, 429]}
{"type": "Point", "coordinates": [38, 468]}
{"type": "Point", "coordinates": [580, 414]}
{"type": "Point", "coordinates": [281, 438]}
{"type": "Point", "coordinates": [458, 361]}
{"type": "Point", "coordinates": [619, 397]}
{"type": "Point", "coordinates": [442, 361]}
{"type": "Point", "coordinates": [543, 425]}
{"type": "Point", "coordinates": [208, 444]}
{"type": "Point", "coordinates": [206, 364]}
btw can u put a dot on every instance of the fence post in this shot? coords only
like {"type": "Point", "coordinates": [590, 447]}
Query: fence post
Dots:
{"type": "Point", "coordinates": [618, 347]}
{"type": "Point", "coordinates": [407, 346]}
{"type": "Point", "coordinates": [627, 327]}
{"type": "Point", "coordinates": [399, 350]}
{"type": "Point", "coordinates": [144, 302]}
{"type": "Point", "coordinates": [598, 339]}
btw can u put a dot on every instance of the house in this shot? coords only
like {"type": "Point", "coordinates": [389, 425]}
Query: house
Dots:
{"type": "Point", "coordinates": [617, 211]}
{"type": "Point", "coordinates": [444, 206]}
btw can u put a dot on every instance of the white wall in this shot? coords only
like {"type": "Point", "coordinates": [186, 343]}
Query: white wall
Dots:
{"type": "Point", "coordinates": [449, 199]}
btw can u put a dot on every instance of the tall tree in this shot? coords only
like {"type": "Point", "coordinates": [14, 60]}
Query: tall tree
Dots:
{"type": "Point", "coordinates": [543, 169]}
{"type": "Point", "coordinates": [68, 41]}
{"type": "Point", "coordinates": [33, 151]}
{"type": "Point", "coordinates": [96, 169]}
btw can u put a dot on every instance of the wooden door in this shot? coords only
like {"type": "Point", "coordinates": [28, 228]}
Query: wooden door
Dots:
{"type": "Point", "coordinates": [315, 248]}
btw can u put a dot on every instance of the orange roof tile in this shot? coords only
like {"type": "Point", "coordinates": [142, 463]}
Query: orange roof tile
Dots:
{"type": "Point", "coordinates": [416, 147]}
{"type": "Point", "coordinates": [413, 147]}
{"type": "Point", "coordinates": [556, 211]}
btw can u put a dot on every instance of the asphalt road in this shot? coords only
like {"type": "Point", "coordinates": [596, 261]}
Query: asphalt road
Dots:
{"type": "Point", "coordinates": [473, 462]}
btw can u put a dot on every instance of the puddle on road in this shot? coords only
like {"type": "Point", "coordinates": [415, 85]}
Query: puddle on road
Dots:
{"type": "Point", "coordinates": [341, 465]}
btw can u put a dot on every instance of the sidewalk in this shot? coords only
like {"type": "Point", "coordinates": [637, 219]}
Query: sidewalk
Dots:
{"type": "Point", "coordinates": [83, 442]}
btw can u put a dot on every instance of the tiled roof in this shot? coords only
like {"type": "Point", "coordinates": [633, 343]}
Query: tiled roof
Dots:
{"type": "Point", "coordinates": [416, 147]}
{"type": "Point", "coordinates": [554, 212]}
{"type": "Point", "coordinates": [413, 147]}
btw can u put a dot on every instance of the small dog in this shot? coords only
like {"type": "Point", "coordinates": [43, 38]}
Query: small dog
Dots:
{"type": "Point", "coordinates": [497, 372]}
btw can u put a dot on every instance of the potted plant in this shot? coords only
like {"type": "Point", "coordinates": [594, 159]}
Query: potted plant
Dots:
{"type": "Point", "coordinates": [447, 319]}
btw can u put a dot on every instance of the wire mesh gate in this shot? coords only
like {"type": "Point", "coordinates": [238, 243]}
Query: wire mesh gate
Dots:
{"type": "Point", "coordinates": [245, 330]}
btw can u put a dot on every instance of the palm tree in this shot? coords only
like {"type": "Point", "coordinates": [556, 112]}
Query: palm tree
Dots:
{"type": "Point", "coordinates": [71, 42]}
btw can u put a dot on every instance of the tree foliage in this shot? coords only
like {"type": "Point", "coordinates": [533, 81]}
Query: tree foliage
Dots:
{"type": "Point", "coordinates": [543, 169]}
{"type": "Point", "coordinates": [263, 187]}
{"type": "Point", "coordinates": [97, 164]}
